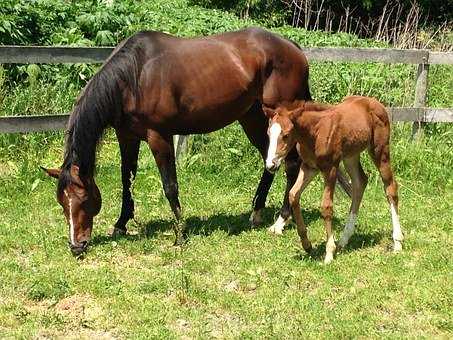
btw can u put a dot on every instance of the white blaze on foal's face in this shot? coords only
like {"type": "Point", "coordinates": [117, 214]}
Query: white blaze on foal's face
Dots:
{"type": "Point", "coordinates": [272, 159]}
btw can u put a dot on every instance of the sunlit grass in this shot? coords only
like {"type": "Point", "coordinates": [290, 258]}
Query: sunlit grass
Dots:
{"type": "Point", "coordinates": [229, 280]}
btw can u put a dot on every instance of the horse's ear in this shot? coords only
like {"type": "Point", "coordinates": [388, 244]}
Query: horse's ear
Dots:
{"type": "Point", "coordinates": [268, 112]}
{"type": "Point", "coordinates": [55, 173]}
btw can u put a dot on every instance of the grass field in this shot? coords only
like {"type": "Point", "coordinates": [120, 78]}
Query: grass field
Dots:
{"type": "Point", "coordinates": [229, 280]}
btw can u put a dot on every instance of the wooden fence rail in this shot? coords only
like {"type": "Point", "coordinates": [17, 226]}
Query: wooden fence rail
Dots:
{"type": "Point", "coordinates": [53, 55]}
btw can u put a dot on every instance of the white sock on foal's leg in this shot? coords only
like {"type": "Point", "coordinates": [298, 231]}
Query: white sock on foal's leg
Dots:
{"type": "Point", "coordinates": [279, 225]}
{"type": "Point", "coordinates": [330, 249]}
{"type": "Point", "coordinates": [397, 233]}
{"type": "Point", "coordinates": [348, 230]}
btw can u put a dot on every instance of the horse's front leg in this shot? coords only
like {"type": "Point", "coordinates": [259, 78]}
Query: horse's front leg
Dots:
{"type": "Point", "coordinates": [163, 151]}
{"type": "Point", "coordinates": [129, 148]}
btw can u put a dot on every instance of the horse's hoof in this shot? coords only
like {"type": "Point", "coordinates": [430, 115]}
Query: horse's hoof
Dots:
{"type": "Point", "coordinates": [115, 232]}
{"type": "Point", "coordinates": [255, 218]}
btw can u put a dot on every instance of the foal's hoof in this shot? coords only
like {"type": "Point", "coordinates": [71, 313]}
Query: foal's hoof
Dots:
{"type": "Point", "coordinates": [328, 259]}
{"type": "Point", "coordinates": [307, 247]}
{"type": "Point", "coordinates": [115, 232]}
{"type": "Point", "coordinates": [397, 247]}
{"type": "Point", "coordinates": [276, 230]}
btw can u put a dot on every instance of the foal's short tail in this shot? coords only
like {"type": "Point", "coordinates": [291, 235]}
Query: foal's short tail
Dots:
{"type": "Point", "coordinates": [344, 182]}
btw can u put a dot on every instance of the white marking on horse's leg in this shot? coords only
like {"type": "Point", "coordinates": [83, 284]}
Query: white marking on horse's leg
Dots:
{"type": "Point", "coordinates": [348, 230]}
{"type": "Point", "coordinates": [71, 221]}
{"type": "Point", "coordinates": [280, 223]}
{"type": "Point", "coordinates": [255, 217]}
{"type": "Point", "coordinates": [274, 132]}
{"type": "Point", "coordinates": [397, 233]}
{"type": "Point", "coordinates": [330, 249]}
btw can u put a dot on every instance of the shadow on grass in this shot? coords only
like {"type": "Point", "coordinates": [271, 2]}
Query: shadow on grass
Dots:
{"type": "Point", "coordinates": [237, 224]}
{"type": "Point", "coordinates": [357, 241]}
{"type": "Point", "coordinates": [228, 223]}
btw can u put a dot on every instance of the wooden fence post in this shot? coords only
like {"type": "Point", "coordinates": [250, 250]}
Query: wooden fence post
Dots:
{"type": "Point", "coordinates": [180, 145]}
{"type": "Point", "coordinates": [421, 90]}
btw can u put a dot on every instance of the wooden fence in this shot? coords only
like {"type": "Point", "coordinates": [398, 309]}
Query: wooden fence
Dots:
{"type": "Point", "coordinates": [53, 55]}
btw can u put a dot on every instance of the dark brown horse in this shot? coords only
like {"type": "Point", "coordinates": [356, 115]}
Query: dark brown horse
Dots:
{"type": "Point", "coordinates": [325, 136]}
{"type": "Point", "coordinates": [154, 86]}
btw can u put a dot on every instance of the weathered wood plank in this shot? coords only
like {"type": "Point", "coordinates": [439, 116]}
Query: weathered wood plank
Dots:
{"type": "Point", "coordinates": [33, 123]}
{"type": "Point", "coordinates": [445, 58]}
{"type": "Point", "coordinates": [438, 115]}
{"type": "Point", "coordinates": [427, 115]}
{"type": "Point", "coordinates": [58, 122]}
{"type": "Point", "coordinates": [52, 55]}
{"type": "Point", "coordinates": [390, 56]}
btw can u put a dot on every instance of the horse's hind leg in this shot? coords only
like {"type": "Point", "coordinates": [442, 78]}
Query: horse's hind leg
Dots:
{"type": "Point", "coordinates": [254, 124]}
{"type": "Point", "coordinates": [359, 182]}
{"type": "Point", "coordinates": [381, 157]}
{"type": "Point", "coordinates": [129, 148]}
{"type": "Point", "coordinates": [330, 177]}
{"type": "Point", "coordinates": [163, 151]}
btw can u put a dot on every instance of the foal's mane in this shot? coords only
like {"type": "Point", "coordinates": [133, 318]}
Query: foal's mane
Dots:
{"type": "Point", "coordinates": [99, 105]}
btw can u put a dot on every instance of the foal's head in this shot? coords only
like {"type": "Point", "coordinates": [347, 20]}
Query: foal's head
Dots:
{"type": "Point", "coordinates": [81, 201]}
{"type": "Point", "coordinates": [282, 134]}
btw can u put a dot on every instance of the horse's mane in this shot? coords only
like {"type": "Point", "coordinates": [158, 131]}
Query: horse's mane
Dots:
{"type": "Point", "coordinates": [99, 105]}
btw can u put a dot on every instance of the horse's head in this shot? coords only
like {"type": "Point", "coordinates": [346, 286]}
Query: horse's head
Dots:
{"type": "Point", "coordinates": [282, 134]}
{"type": "Point", "coordinates": [81, 201]}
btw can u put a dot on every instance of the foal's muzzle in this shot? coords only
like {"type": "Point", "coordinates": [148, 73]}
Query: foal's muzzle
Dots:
{"type": "Point", "coordinates": [78, 249]}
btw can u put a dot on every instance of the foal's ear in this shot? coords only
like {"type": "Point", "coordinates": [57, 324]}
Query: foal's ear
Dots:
{"type": "Point", "coordinates": [268, 112]}
{"type": "Point", "coordinates": [55, 173]}
{"type": "Point", "coordinates": [294, 114]}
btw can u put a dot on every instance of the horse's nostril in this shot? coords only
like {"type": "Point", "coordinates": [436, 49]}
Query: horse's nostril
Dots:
{"type": "Point", "coordinates": [76, 250]}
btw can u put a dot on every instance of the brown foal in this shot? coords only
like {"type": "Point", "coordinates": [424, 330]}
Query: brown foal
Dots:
{"type": "Point", "coordinates": [326, 135]}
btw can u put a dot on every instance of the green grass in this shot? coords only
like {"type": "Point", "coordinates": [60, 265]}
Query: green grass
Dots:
{"type": "Point", "coordinates": [229, 280]}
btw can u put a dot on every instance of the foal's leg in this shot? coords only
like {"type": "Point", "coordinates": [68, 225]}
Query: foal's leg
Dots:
{"type": "Point", "coordinates": [381, 157]}
{"type": "Point", "coordinates": [129, 148]}
{"type": "Point", "coordinates": [163, 151]}
{"type": "Point", "coordinates": [359, 182]}
{"type": "Point", "coordinates": [254, 124]}
{"type": "Point", "coordinates": [304, 177]}
{"type": "Point", "coordinates": [292, 166]}
{"type": "Point", "coordinates": [330, 176]}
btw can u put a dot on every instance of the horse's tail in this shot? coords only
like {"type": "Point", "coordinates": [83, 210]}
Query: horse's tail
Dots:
{"type": "Point", "coordinates": [100, 103]}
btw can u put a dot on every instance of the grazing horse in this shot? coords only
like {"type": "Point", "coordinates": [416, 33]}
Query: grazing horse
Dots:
{"type": "Point", "coordinates": [324, 136]}
{"type": "Point", "coordinates": [154, 86]}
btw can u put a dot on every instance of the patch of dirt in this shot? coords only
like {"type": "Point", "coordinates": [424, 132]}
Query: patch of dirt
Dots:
{"type": "Point", "coordinates": [182, 328]}
{"type": "Point", "coordinates": [223, 325]}
{"type": "Point", "coordinates": [81, 309]}
{"type": "Point", "coordinates": [83, 334]}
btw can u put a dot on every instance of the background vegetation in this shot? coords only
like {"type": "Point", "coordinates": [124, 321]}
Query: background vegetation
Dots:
{"type": "Point", "coordinates": [229, 281]}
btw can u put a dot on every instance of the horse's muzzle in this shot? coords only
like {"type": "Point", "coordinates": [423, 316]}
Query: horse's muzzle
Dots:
{"type": "Point", "coordinates": [77, 250]}
{"type": "Point", "coordinates": [272, 167]}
